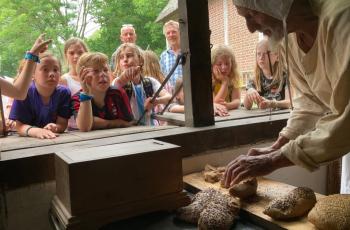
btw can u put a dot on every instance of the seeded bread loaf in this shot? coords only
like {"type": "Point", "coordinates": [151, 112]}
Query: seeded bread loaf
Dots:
{"type": "Point", "coordinates": [296, 203]}
{"type": "Point", "coordinates": [331, 212]}
{"type": "Point", "coordinates": [191, 212]}
{"type": "Point", "coordinates": [211, 210]}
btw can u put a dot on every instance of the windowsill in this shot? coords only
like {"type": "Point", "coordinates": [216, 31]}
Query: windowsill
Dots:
{"type": "Point", "coordinates": [15, 147]}
{"type": "Point", "coordinates": [33, 161]}
{"type": "Point", "coordinates": [237, 114]}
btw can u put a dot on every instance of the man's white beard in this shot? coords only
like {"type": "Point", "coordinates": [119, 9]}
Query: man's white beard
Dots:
{"type": "Point", "coordinates": [275, 39]}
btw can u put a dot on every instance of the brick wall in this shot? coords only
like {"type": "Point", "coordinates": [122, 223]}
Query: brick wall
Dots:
{"type": "Point", "coordinates": [240, 39]}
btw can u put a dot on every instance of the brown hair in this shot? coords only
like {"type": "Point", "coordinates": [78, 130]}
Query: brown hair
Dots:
{"type": "Point", "coordinates": [73, 41]}
{"type": "Point", "coordinates": [134, 48]}
{"type": "Point", "coordinates": [151, 66]}
{"type": "Point", "coordinates": [223, 50]}
{"type": "Point", "coordinates": [91, 59]}
{"type": "Point", "coordinates": [277, 69]}
{"type": "Point", "coordinates": [48, 54]}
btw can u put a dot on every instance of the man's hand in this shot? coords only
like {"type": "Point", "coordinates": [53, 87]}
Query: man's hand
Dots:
{"type": "Point", "coordinates": [246, 166]}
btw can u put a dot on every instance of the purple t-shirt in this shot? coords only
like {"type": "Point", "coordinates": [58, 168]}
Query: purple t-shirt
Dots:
{"type": "Point", "coordinates": [32, 111]}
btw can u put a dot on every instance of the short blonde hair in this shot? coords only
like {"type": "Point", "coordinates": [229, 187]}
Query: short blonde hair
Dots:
{"type": "Point", "coordinates": [91, 59]}
{"type": "Point", "coordinates": [224, 50]}
{"type": "Point", "coordinates": [171, 23]}
{"type": "Point", "coordinates": [134, 48]}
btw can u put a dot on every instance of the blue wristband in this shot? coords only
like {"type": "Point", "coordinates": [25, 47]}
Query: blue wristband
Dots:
{"type": "Point", "coordinates": [31, 56]}
{"type": "Point", "coordinates": [84, 97]}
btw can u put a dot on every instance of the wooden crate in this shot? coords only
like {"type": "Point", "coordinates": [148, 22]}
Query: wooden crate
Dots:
{"type": "Point", "coordinates": [101, 184]}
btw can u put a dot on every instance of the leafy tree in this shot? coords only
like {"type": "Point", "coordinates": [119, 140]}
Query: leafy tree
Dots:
{"type": "Point", "coordinates": [112, 14]}
{"type": "Point", "coordinates": [21, 21]}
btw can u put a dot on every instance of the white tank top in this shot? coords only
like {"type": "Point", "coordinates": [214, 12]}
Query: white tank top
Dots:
{"type": "Point", "coordinates": [73, 85]}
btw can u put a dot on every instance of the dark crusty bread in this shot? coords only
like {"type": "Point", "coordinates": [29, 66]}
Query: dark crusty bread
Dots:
{"type": "Point", "coordinates": [244, 189]}
{"type": "Point", "coordinates": [294, 204]}
{"type": "Point", "coordinates": [331, 212]}
{"type": "Point", "coordinates": [211, 210]}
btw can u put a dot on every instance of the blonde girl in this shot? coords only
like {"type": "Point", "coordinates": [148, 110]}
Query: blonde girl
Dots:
{"type": "Point", "coordinates": [73, 49]}
{"type": "Point", "coordinates": [268, 88]}
{"type": "Point", "coordinates": [140, 89]}
{"type": "Point", "coordinates": [46, 109]}
{"type": "Point", "coordinates": [225, 77]}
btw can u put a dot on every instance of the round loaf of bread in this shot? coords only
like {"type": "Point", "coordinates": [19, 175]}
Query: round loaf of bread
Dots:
{"type": "Point", "coordinates": [331, 212]}
{"type": "Point", "coordinates": [296, 203]}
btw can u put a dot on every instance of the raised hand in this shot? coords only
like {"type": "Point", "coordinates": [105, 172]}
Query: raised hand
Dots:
{"type": "Point", "coordinates": [85, 78]}
{"type": "Point", "coordinates": [40, 45]}
{"type": "Point", "coordinates": [131, 74]}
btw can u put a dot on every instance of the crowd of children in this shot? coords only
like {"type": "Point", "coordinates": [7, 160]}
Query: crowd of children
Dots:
{"type": "Point", "coordinates": [92, 96]}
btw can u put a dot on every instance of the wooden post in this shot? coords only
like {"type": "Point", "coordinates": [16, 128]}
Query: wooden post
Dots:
{"type": "Point", "coordinates": [195, 39]}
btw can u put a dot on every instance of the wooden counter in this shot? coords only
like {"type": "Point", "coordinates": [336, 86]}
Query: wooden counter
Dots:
{"type": "Point", "coordinates": [236, 114]}
{"type": "Point", "coordinates": [253, 209]}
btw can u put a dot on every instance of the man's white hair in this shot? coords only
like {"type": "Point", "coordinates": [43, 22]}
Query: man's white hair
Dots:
{"type": "Point", "coordinates": [275, 8]}
{"type": "Point", "coordinates": [172, 23]}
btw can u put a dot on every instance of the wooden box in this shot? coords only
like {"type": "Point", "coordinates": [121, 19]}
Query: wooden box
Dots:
{"type": "Point", "coordinates": [101, 184]}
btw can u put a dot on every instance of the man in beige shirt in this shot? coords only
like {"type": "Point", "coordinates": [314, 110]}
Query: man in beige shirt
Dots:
{"type": "Point", "coordinates": [318, 53]}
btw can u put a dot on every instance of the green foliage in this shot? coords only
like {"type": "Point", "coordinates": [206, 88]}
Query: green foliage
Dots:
{"type": "Point", "coordinates": [112, 14]}
{"type": "Point", "coordinates": [21, 21]}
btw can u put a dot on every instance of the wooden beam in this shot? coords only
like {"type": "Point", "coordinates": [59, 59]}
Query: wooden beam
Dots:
{"type": "Point", "coordinates": [195, 39]}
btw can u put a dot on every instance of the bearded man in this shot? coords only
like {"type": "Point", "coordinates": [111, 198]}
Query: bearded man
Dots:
{"type": "Point", "coordinates": [315, 35]}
